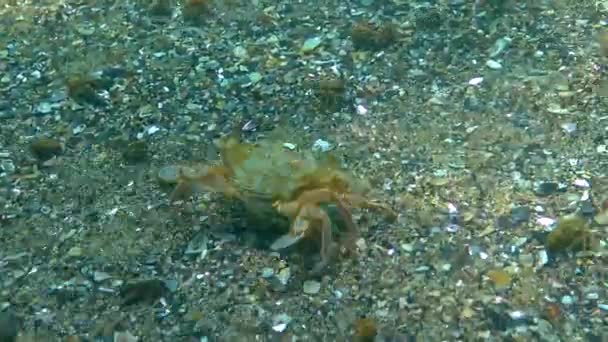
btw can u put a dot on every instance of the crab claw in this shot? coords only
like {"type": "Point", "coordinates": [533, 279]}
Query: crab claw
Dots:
{"type": "Point", "coordinates": [285, 241]}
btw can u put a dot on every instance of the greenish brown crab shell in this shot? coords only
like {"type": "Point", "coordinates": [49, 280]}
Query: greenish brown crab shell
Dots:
{"type": "Point", "coordinates": [272, 174]}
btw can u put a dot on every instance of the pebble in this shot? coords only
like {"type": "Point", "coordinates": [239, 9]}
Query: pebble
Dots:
{"type": "Point", "coordinates": [124, 336]}
{"type": "Point", "coordinates": [280, 322]}
{"type": "Point", "coordinates": [500, 46]}
{"type": "Point", "coordinates": [311, 287]}
{"type": "Point", "coordinates": [601, 218]}
{"type": "Point", "coordinates": [75, 252]}
{"type": "Point", "coordinates": [267, 272]}
{"type": "Point", "coordinates": [475, 81]}
{"type": "Point", "coordinates": [43, 108]}
{"type": "Point", "coordinates": [254, 78]}
{"type": "Point", "coordinates": [520, 215]}
{"type": "Point", "coordinates": [526, 259]}
{"type": "Point", "coordinates": [310, 44]}
{"type": "Point", "coordinates": [592, 296]}
{"type": "Point", "coordinates": [407, 247]}
{"type": "Point", "coordinates": [492, 64]}
{"type": "Point", "coordinates": [546, 189]}
{"type": "Point", "coordinates": [168, 174]}
{"type": "Point", "coordinates": [198, 245]}
{"type": "Point", "coordinates": [422, 269]}
{"type": "Point", "coordinates": [542, 258]}
{"type": "Point", "coordinates": [321, 146]}
{"type": "Point", "coordinates": [100, 276]}
{"type": "Point", "coordinates": [46, 148]}
{"type": "Point", "coordinates": [240, 52]}
{"type": "Point", "coordinates": [284, 275]}
{"type": "Point", "coordinates": [567, 300]}
{"type": "Point", "coordinates": [9, 324]}
{"type": "Point", "coordinates": [587, 208]}
{"type": "Point", "coordinates": [7, 166]}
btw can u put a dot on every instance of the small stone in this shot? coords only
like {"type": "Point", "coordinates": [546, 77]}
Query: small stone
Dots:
{"type": "Point", "coordinates": [567, 300]}
{"type": "Point", "coordinates": [475, 81]}
{"type": "Point", "coordinates": [43, 108]}
{"type": "Point", "coordinates": [124, 336]}
{"type": "Point", "coordinates": [526, 260]}
{"type": "Point", "coordinates": [75, 252]}
{"type": "Point", "coordinates": [7, 166]}
{"type": "Point", "coordinates": [284, 275]}
{"type": "Point", "coordinates": [592, 296]}
{"type": "Point", "coordinates": [46, 148]}
{"type": "Point", "coordinates": [422, 269]}
{"type": "Point", "coordinates": [100, 276]}
{"type": "Point", "coordinates": [500, 278]}
{"type": "Point", "coordinates": [280, 322]}
{"type": "Point", "coordinates": [9, 326]}
{"type": "Point", "coordinates": [467, 312]}
{"type": "Point", "coordinates": [542, 258]}
{"type": "Point", "coordinates": [587, 209]}
{"type": "Point", "coordinates": [240, 52]}
{"type": "Point", "coordinates": [136, 152]}
{"type": "Point", "coordinates": [321, 146]}
{"type": "Point", "coordinates": [601, 218]}
{"type": "Point", "coordinates": [267, 272]}
{"type": "Point", "coordinates": [85, 30]}
{"type": "Point", "coordinates": [311, 287]}
{"type": "Point", "coordinates": [569, 127]}
{"type": "Point", "coordinates": [255, 77]}
{"type": "Point", "coordinates": [546, 189]}
{"type": "Point", "coordinates": [198, 245]}
{"type": "Point", "coordinates": [500, 46]}
{"type": "Point", "coordinates": [407, 247]}
{"type": "Point", "coordinates": [520, 215]}
{"type": "Point", "coordinates": [290, 146]}
{"type": "Point", "coordinates": [520, 241]}
{"type": "Point", "coordinates": [143, 291]}
{"type": "Point", "coordinates": [168, 174]}
{"type": "Point", "coordinates": [494, 65]}
{"type": "Point", "coordinates": [310, 44]}
{"type": "Point", "coordinates": [172, 285]}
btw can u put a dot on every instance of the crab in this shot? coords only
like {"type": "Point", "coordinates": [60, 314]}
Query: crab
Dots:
{"type": "Point", "coordinates": [298, 186]}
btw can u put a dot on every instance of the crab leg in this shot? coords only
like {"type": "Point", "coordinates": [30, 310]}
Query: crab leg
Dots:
{"type": "Point", "coordinates": [213, 179]}
{"type": "Point", "coordinates": [311, 213]}
{"type": "Point", "coordinates": [319, 196]}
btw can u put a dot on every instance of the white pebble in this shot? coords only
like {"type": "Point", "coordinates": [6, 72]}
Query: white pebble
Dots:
{"type": "Point", "coordinates": [492, 64]}
{"type": "Point", "coordinates": [475, 81]}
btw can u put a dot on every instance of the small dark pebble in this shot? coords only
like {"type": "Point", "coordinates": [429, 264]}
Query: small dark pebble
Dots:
{"type": "Point", "coordinates": [596, 338]}
{"type": "Point", "coordinates": [546, 189]}
{"type": "Point", "coordinates": [115, 72]}
{"type": "Point", "coordinates": [46, 148]}
{"type": "Point", "coordinates": [426, 19]}
{"type": "Point", "coordinates": [9, 326]}
{"type": "Point", "coordinates": [161, 8]}
{"type": "Point", "coordinates": [136, 152]}
{"type": "Point", "coordinates": [587, 209]}
{"type": "Point", "coordinates": [520, 215]}
{"type": "Point", "coordinates": [497, 318]}
{"type": "Point", "coordinates": [84, 90]}
{"type": "Point", "coordinates": [504, 222]}
{"type": "Point", "coordinates": [144, 291]}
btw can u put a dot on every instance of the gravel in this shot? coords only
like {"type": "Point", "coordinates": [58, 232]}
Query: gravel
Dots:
{"type": "Point", "coordinates": [481, 123]}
